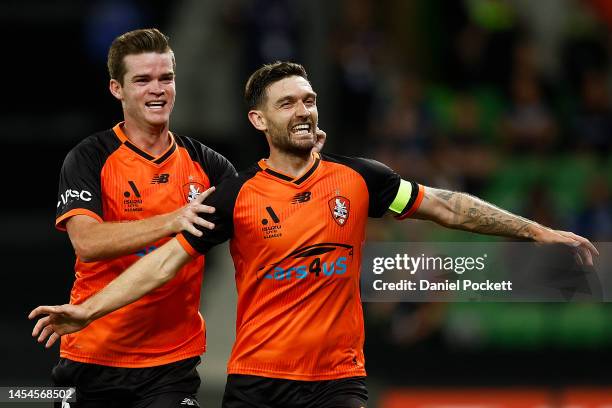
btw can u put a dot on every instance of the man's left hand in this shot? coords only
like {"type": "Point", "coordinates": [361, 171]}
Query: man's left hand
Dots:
{"type": "Point", "coordinates": [584, 249]}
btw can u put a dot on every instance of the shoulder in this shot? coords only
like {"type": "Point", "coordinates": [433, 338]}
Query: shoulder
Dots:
{"type": "Point", "coordinates": [235, 184]}
{"type": "Point", "coordinates": [94, 149]}
{"type": "Point", "coordinates": [213, 163]}
{"type": "Point", "coordinates": [364, 166]}
{"type": "Point", "coordinates": [382, 182]}
{"type": "Point", "coordinates": [196, 149]}
{"type": "Point", "coordinates": [192, 145]}
{"type": "Point", "coordinates": [227, 191]}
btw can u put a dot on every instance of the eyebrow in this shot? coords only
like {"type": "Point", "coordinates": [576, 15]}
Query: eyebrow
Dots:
{"type": "Point", "coordinates": [147, 76]}
{"type": "Point", "coordinates": [293, 98]}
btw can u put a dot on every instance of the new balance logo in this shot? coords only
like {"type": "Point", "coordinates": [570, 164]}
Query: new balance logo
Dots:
{"type": "Point", "coordinates": [301, 197]}
{"type": "Point", "coordinates": [160, 178]}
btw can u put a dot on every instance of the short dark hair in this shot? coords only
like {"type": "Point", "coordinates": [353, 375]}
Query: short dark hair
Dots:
{"type": "Point", "coordinates": [256, 86]}
{"type": "Point", "coordinates": [133, 43]}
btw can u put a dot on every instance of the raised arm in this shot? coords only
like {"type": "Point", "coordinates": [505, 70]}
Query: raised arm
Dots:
{"type": "Point", "coordinates": [149, 273]}
{"type": "Point", "coordinates": [465, 212]}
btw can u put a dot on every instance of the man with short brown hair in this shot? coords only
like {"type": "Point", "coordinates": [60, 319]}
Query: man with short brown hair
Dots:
{"type": "Point", "coordinates": [123, 193]}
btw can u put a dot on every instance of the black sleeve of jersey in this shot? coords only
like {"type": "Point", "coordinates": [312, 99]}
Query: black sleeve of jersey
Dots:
{"type": "Point", "coordinates": [216, 166]}
{"type": "Point", "coordinates": [224, 200]}
{"type": "Point", "coordinates": [79, 182]}
{"type": "Point", "coordinates": [382, 182]}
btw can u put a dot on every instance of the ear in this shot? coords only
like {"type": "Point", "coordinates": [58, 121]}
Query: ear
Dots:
{"type": "Point", "coordinates": [116, 89]}
{"type": "Point", "coordinates": [257, 120]}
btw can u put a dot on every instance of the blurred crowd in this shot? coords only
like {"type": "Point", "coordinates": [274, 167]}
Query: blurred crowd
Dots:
{"type": "Point", "coordinates": [479, 111]}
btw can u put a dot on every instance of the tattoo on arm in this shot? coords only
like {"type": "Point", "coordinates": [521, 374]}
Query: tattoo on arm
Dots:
{"type": "Point", "coordinates": [473, 214]}
{"type": "Point", "coordinates": [444, 194]}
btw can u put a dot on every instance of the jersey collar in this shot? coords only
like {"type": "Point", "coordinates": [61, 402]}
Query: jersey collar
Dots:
{"type": "Point", "coordinates": [118, 129]}
{"type": "Point", "coordinates": [263, 165]}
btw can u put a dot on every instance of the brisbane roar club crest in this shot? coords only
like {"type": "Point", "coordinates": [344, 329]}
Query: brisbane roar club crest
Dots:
{"type": "Point", "coordinates": [340, 208]}
{"type": "Point", "coordinates": [192, 190]}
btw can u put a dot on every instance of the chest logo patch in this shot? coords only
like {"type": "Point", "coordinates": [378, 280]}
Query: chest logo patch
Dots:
{"type": "Point", "coordinates": [132, 200]}
{"type": "Point", "coordinates": [192, 190]}
{"type": "Point", "coordinates": [340, 208]}
{"type": "Point", "coordinates": [160, 178]}
{"type": "Point", "coordinates": [301, 197]}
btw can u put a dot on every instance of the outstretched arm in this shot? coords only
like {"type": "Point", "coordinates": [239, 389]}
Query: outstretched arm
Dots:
{"type": "Point", "coordinates": [465, 212]}
{"type": "Point", "coordinates": [149, 273]}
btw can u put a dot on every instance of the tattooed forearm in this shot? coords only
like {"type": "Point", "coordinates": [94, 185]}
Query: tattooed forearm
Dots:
{"type": "Point", "coordinates": [473, 214]}
{"type": "Point", "coordinates": [487, 219]}
{"type": "Point", "coordinates": [444, 194]}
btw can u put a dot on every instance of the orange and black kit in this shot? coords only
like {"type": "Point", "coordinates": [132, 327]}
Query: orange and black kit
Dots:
{"type": "Point", "coordinates": [108, 178]}
{"type": "Point", "coordinates": [296, 245]}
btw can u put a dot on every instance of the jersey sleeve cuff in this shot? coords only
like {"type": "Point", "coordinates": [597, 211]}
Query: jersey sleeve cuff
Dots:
{"type": "Point", "coordinates": [60, 222]}
{"type": "Point", "coordinates": [413, 203]}
{"type": "Point", "coordinates": [187, 246]}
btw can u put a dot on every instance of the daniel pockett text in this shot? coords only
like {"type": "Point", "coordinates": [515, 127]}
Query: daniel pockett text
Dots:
{"type": "Point", "coordinates": [492, 271]}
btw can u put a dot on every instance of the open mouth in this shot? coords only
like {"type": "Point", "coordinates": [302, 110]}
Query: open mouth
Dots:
{"type": "Point", "coordinates": [302, 129]}
{"type": "Point", "coordinates": [155, 104]}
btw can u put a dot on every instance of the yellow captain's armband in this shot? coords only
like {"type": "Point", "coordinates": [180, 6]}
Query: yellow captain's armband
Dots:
{"type": "Point", "coordinates": [404, 192]}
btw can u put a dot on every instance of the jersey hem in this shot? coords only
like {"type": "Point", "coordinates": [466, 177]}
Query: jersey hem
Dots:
{"type": "Point", "coordinates": [187, 246]}
{"type": "Point", "coordinates": [298, 377]}
{"type": "Point", "coordinates": [149, 363]}
{"type": "Point", "coordinates": [61, 220]}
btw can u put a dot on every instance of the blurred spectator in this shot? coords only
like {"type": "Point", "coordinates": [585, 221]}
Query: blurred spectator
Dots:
{"type": "Point", "coordinates": [105, 20]}
{"type": "Point", "coordinates": [402, 132]}
{"type": "Point", "coordinates": [540, 206]}
{"type": "Point", "coordinates": [529, 125]}
{"type": "Point", "coordinates": [271, 32]}
{"type": "Point", "coordinates": [585, 49]}
{"type": "Point", "coordinates": [469, 56]}
{"type": "Point", "coordinates": [462, 154]}
{"type": "Point", "coordinates": [412, 323]}
{"type": "Point", "coordinates": [482, 47]}
{"type": "Point", "coordinates": [407, 325]}
{"type": "Point", "coordinates": [406, 124]}
{"type": "Point", "coordinates": [524, 59]}
{"type": "Point", "coordinates": [356, 49]}
{"type": "Point", "coordinates": [595, 220]}
{"type": "Point", "coordinates": [592, 124]}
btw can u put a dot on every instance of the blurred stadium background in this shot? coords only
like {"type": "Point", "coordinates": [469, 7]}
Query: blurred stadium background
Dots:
{"type": "Point", "coordinates": [506, 99]}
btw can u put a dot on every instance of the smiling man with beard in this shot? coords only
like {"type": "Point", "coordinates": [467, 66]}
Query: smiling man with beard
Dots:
{"type": "Point", "coordinates": [299, 329]}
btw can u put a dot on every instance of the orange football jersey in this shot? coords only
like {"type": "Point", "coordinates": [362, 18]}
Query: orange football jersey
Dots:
{"type": "Point", "coordinates": [110, 179]}
{"type": "Point", "coordinates": [296, 245]}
